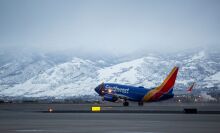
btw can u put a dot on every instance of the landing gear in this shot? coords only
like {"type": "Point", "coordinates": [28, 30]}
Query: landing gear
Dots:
{"type": "Point", "coordinates": [140, 103]}
{"type": "Point", "coordinates": [125, 103]}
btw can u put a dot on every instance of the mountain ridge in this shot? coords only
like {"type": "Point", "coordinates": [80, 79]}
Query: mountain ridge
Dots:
{"type": "Point", "coordinates": [79, 77]}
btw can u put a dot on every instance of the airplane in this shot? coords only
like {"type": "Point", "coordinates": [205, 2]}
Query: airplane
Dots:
{"type": "Point", "coordinates": [189, 90]}
{"type": "Point", "coordinates": [114, 92]}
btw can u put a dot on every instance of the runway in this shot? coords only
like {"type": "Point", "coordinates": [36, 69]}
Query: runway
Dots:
{"type": "Point", "coordinates": [29, 118]}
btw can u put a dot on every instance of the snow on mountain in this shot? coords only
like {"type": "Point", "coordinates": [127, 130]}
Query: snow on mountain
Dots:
{"type": "Point", "coordinates": [198, 56]}
{"type": "Point", "coordinates": [213, 80]}
{"type": "Point", "coordinates": [197, 68]}
{"type": "Point", "coordinates": [145, 71]}
{"type": "Point", "coordinates": [23, 67]}
{"type": "Point", "coordinates": [215, 77]}
{"type": "Point", "coordinates": [72, 78]}
{"type": "Point", "coordinates": [150, 71]}
{"type": "Point", "coordinates": [79, 77]}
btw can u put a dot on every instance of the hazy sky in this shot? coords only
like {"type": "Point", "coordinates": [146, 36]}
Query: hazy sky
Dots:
{"type": "Point", "coordinates": [111, 26]}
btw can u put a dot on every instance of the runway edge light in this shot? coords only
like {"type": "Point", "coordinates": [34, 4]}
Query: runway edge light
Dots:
{"type": "Point", "coordinates": [96, 109]}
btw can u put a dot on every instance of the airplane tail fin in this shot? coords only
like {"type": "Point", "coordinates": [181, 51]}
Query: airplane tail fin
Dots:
{"type": "Point", "coordinates": [169, 82]}
{"type": "Point", "coordinates": [164, 88]}
{"type": "Point", "coordinates": [191, 87]}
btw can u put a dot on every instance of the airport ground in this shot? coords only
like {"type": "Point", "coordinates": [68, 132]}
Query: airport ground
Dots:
{"type": "Point", "coordinates": [77, 118]}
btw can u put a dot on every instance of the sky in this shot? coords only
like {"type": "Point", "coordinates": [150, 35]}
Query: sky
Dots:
{"type": "Point", "coordinates": [109, 26]}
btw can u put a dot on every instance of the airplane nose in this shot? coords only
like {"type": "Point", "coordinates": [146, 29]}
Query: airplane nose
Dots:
{"type": "Point", "coordinates": [100, 89]}
{"type": "Point", "coordinates": [97, 89]}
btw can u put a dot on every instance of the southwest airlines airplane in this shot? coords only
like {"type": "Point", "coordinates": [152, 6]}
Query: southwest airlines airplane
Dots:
{"type": "Point", "coordinates": [113, 92]}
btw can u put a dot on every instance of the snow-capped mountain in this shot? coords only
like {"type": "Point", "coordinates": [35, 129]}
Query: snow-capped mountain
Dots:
{"type": "Point", "coordinates": [18, 67]}
{"type": "Point", "coordinates": [79, 77]}
{"type": "Point", "coordinates": [144, 71]}
{"type": "Point", "coordinates": [150, 71]}
{"type": "Point", "coordinates": [72, 78]}
{"type": "Point", "coordinates": [22, 68]}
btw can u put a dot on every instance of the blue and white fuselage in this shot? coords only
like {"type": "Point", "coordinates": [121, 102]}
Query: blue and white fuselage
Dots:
{"type": "Point", "coordinates": [112, 91]}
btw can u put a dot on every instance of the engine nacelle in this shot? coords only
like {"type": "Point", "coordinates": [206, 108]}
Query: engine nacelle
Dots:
{"type": "Point", "coordinates": [109, 97]}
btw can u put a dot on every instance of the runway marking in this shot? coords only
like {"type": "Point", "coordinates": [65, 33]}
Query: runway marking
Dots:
{"type": "Point", "coordinates": [41, 130]}
{"type": "Point", "coordinates": [29, 130]}
{"type": "Point", "coordinates": [131, 132]}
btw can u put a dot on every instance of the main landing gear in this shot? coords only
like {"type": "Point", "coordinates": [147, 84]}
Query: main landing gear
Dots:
{"type": "Point", "coordinates": [125, 103]}
{"type": "Point", "coordinates": [140, 103]}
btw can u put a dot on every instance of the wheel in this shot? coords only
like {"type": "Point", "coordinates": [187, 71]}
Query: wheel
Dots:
{"type": "Point", "coordinates": [126, 103]}
{"type": "Point", "coordinates": [140, 103]}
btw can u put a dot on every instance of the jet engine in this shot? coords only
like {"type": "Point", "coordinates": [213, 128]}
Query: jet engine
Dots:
{"type": "Point", "coordinates": [109, 97]}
